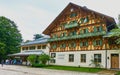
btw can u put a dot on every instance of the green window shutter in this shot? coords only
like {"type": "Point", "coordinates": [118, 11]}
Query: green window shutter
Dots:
{"type": "Point", "coordinates": [81, 20]}
{"type": "Point", "coordinates": [100, 42]}
{"type": "Point", "coordinates": [86, 43]}
{"type": "Point", "coordinates": [70, 45]}
{"type": "Point", "coordinates": [74, 33]}
{"type": "Point", "coordinates": [94, 42]}
{"type": "Point", "coordinates": [81, 31]}
{"type": "Point", "coordinates": [100, 28]}
{"type": "Point", "coordinates": [86, 20]}
{"type": "Point", "coordinates": [74, 45]}
{"type": "Point", "coordinates": [81, 44]}
{"type": "Point", "coordinates": [87, 30]}
{"type": "Point", "coordinates": [95, 29]}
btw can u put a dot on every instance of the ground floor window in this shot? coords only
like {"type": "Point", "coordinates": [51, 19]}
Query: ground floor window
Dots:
{"type": "Point", "coordinates": [83, 58]}
{"type": "Point", "coordinates": [52, 61]}
{"type": "Point", "coordinates": [97, 58]}
{"type": "Point", "coordinates": [53, 55]}
{"type": "Point", "coordinates": [71, 57]}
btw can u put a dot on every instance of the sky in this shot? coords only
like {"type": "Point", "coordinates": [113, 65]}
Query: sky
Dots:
{"type": "Point", "coordinates": [34, 16]}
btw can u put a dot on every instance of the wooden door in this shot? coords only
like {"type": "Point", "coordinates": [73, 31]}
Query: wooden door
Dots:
{"type": "Point", "coordinates": [114, 61]}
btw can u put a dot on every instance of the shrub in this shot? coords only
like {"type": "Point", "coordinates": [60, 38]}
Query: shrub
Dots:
{"type": "Point", "coordinates": [43, 58]}
{"type": "Point", "coordinates": [32, 59]}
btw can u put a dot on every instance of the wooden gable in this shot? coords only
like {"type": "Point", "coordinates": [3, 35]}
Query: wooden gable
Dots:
{"type": "Point", "coordinates": [70, 11]}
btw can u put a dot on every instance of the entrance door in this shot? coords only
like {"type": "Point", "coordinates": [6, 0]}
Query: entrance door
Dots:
{"type": "Point", "coordinates": [114, 61]}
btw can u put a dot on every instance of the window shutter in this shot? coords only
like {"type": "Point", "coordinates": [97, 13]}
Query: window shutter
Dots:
{"type": "Point", "coordinates": [74, 44]}
{"type": "Point", "coordinates": [70, 45]}
{"type": "Point", "coordinates": [100, 28]}
{"type": "Point", "coordinates": [64, 45]}
{"type": "Point", "coordinates": [87, 30]}
{"type": "Point", "coordinates": [95, 29]}
{"type": "Point", "coordinates": [86, 20]}
{"type": "Point", "coordinates": [81, 31]}
{"type": "Point", "coordinates": [86, 43]}
{"type": "Point", "coordinates": [100, 42]}
{"type": "Point", "coordinates": [94, 42]}
{"type": "Point", "coordinates": [81, 44]}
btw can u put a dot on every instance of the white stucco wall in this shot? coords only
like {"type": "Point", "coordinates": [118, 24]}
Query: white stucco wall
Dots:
{"type": "Point", "coordinates": [109, 52]}
{"type": "Point", "coordinates": [62, 58]}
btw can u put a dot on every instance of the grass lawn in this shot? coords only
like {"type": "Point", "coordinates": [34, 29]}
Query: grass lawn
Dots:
{"type": "Point", "coordinates": [69, 68]}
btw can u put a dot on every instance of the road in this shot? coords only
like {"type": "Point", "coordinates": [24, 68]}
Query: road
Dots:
{"type": "Point", "coordinates": [23, 70]}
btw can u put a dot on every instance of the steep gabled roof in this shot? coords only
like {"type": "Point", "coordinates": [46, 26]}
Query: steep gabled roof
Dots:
{"type": "Point", "coordinates": [52, 25]}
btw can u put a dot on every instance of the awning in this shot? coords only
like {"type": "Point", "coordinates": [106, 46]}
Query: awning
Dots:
{"type": "Point", "coordinates": [27, 53]}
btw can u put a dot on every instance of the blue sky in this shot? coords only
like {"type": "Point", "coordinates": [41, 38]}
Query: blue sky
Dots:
{"type": "Point", "coordinates": [33, 16]}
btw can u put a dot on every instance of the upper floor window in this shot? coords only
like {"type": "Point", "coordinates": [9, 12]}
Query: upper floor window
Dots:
{"type": "Point", "coordinates": [43, 46]}
{"type": "Point", "coordinates": [24, 48]}
{"type": "Point", "coordinates": [39, 47]}
{"type": "Point", "coordinates": [72, 45]}
{"type": "Point", "coordinates": [63, 45]}
{"type": "Point", "coordinates": [32, 47]}
{"type": "Point", "coordinates": [98, 29]}
{"type": "Point", "coordinates": [85, 30]}
{"type": "Point", "coordinates": [54, 46]}
{"type": "Point", "coordinates": [63, 34]}
{"type": "Point", "coordinates": [73, 15]}
{"type": "Point", "coordinates": [72, 33]}
{"type": "Point", "coordinates": [97, 42]}
{"type": "Point", "coordinates": [84, 43]}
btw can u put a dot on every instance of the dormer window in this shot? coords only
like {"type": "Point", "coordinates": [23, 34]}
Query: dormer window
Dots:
{"type": "Point", "coordinates": [71, 10]}
{"type": "Point", "coordinates": [73, 15]}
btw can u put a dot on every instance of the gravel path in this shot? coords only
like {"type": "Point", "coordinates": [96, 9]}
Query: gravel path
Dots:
{"type": "Point", "coordinates": [23, 70]}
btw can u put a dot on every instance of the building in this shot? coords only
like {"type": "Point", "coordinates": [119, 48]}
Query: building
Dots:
{"type": "Point", "coordinates": [79, 35]}
{"type": "Point", "coordinates": [35, 47]}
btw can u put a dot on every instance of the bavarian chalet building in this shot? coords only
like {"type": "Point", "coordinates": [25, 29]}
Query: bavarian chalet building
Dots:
{"type": "Point", "coordinates": [79, 35]}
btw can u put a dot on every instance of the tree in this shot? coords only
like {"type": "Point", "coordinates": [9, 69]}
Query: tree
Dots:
{"type": "Point", "coordinates": [2, 51]}
{"type": "Point", "coordinates": [37, 36]}
{"type": "Point", "coordinates": [32, 59]}
{"type": "Point", "coordinates": [10, 36]}
{"type": "Point", "coordinates": [116, 34]}
{"type": "Point", "coordinates": [44, 58]}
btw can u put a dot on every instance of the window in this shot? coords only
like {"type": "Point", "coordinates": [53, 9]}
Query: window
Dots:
{"type": "Point", "coordinates": [98, 29]}
{"type": "Point", "coordinates": [63, 45]}
{"type": "Point", "coordinates": [83, 58]}
{"type": "Point", "coordinates": [52, 61]}
{"type": "Point", "coordinates": [44, 47]}
{"type": "Point", "coordinates": [71, 57]}
{"type": "Point", "coordinates": [85, 30]}
{"type": "Point", "coordinates": [97, 42]}
{"type": "Point", "coordinates": [85, 43]}
{"type": "Point", "coordinates": [63, 35]}
{"type": "Point", "coordinates": [72, 33]}
{"type": "Point", "coordinates": [54, 46]}
{"type": "Point", "coordinates": [32, 47]}
{"type": "Point", "coordinates": [39, 47]}
{"type": "Point", "coordinates": [53, 55]}
{"type": "Point", "coordinates": [24, 48]}
{"type": "Point", "coordinates": [73, 15]}
{"type": "Point", "coordinates": [97, 58]}
{"type": "Point", "coordinates": [73, 44]}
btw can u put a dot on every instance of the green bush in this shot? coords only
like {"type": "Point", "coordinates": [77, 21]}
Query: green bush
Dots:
{"type": "Point", "coordinates": [32, 59]}
{"type": "Point", "coordinates": [43, 58]}
{"type": "Point", "coordinates": [38, 65]}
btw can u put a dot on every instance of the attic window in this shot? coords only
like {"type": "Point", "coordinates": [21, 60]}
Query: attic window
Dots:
{"type": "Point", "coordinates": [73, 15]}
{"type": "Point", "coordinates": [71, 9]}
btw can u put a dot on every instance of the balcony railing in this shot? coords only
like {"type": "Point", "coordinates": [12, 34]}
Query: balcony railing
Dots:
{"type": "Point", "coordinates": [78, 36]}
{"type": "Point", "coordinates": [71, 25]}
